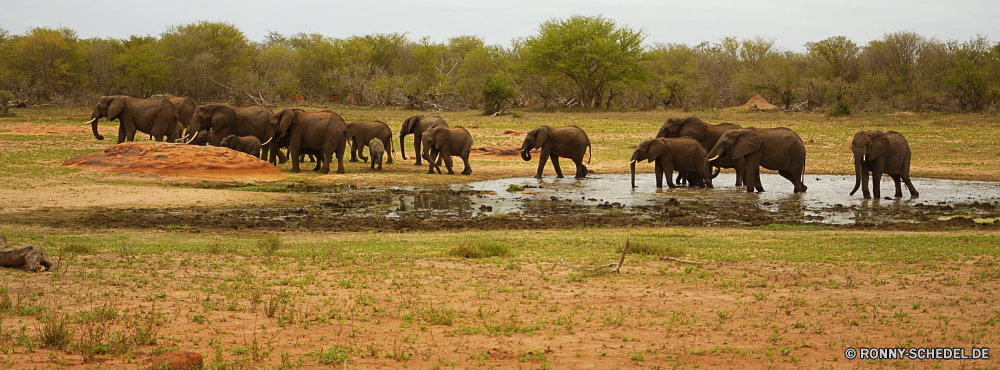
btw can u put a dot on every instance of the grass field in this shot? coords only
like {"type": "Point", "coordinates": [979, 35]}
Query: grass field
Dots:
{"type": "Point", "coordinates": [777, 296]}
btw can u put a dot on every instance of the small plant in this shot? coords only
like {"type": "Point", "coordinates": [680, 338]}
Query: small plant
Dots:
{"type": "Point", "coordinates": [481, 249]}
{"type": "Point", "coordinates": [55, 332]}
{"type": "Point", "coordinates": [269, 244]}
{"type": "Point", "coordinates": [515, 188]}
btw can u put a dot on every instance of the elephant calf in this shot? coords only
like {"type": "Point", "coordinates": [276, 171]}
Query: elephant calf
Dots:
{"type": "Point", "coordinates": [442, 142]}
{"type": "Point", "coordinates": [245, 144]}
{"type": "Point", "coordinates": [881, 152]}
{"type": "Point", "coordinates": [376, 151]}
{"type": "Point", "coordinates": [683, 154]}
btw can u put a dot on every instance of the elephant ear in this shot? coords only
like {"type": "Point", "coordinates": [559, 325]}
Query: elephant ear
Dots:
{"type": "Point", "coordinates": [223, 116]}
{"type": "Point", "coordinates": [693, 128]}
{"type": "Point", "coordinates": [541, 134]}
{"type": "Point", "coordinates": [115, 108]}
{"type": "Point", "coordinates": [656, 149]}
{"type": "Point", "coordinates": [441, 137]}
{"type": "Point", "coordinates": [748, 142]}
{"type": "Point", "coordinates": [288, 117]}
{"type": "Point", "coordinates": [880, 144]}
{"type": "Point", "coordinates": [408, 125]}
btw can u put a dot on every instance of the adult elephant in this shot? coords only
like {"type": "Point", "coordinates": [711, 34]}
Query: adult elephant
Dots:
{"type": "Point", "coordinates": [320, 132]}
{"type": "Point", "coordinates": [153, 116]}
{"type": "Point", "coordinates": [362, 133]}
{"type": "Point", "coordinates": [881, 152]}
{"type": "Point", "coordinates": [442, 142]}
{"type": "Point", "coordinates": [225, 120]}
{"type": "Point", "coordinates": [185, 107]}
{"type": "Point", "coordinates": [778, 149]}
{"type": "Point", "coordinates": [674, 154]}
{"type": "Point", "coordinates": [706, 134]}
{"type": "Point", "coordinates": [416, 125]}
{"type": "Point", "coordinates": [567, 142]}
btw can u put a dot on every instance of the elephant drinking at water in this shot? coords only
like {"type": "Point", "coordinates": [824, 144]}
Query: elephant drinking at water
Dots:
{"type": "Point", "coordinates": [778, 149]}
{"type": "Point", "coordinates": [674, 154]}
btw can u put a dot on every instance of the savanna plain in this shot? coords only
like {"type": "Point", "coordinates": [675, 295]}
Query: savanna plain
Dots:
{"type": "Point", "coordinates": [283, 275]}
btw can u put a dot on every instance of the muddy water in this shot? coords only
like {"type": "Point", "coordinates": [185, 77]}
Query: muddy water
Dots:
{"type": "Point", "coordinates": [827, 199]}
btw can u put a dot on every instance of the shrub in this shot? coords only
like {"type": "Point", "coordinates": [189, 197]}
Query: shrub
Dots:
{"type": "Point", "coordinates": [496, 91]}
{"type": "Point", "coordinates": [5, 98]}
{"type": "Point", "coordinates": [480, 250]}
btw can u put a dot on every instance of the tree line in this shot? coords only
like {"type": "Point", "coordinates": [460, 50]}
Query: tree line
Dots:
{"type": "Point", "coordinates": [581, 61]}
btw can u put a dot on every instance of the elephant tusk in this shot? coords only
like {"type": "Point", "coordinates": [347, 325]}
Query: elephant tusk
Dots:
{"type": "Point", "coordinates": [89, 122]}
{"type": "Point", "coordinates": [713, 158]}
{"type": "Point", "coordinates": [852, 159]}
{"type": "Point", "coordinates": [268, 141]}
{"type": "Point", "coordinates": [632, 162]}
{"type": "Point", "coordinates": [192, 139]}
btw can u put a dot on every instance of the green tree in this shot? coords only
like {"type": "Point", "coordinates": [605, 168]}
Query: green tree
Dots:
{"type": "Point", "coordinates": [496, 91]}
{"type": "Point", "coordinates": [673, 72]}
{"type": "Point", "coordinates": [591, 51]}
{"type": "Point", "coordinates": [972, 72]}
{"type": "Point", "coordinates": [205, 56]}
{"type": "Point", "coordinates": [143, 68]}
{"type": "Point", "coordinates": [47, 61]}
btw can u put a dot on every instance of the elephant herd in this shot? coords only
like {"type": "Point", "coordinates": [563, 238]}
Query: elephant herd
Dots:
{"type": "Point", "coordinates": [692, 147]}
{"type": "Point", "coordinates": [686, 145]}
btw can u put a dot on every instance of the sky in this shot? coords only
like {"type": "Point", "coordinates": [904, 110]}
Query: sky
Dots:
{"type": "Point", "coordinates": [790, 23]}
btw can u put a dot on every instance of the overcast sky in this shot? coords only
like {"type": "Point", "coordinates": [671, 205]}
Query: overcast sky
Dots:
{"type": "Point", "coordinates": [791, 23]}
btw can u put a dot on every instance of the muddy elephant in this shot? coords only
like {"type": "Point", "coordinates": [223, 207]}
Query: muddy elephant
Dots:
{"type": "Point", "coordinates": [225, 120]}
{"type": "Point", "coordinates": [153, 116]}
{"type": "Point", "coordinates": [566, 142]}
{"type": "Point", "coordinates": [320, 132]}
{"type": "Point", "coordinates": [441, 142]}
{"type": "Point", "coordinates": [362, 133]}
{"type": "Point", "coordinates": [244, 144]}
{"type": "Point", "coordinates": [376, 151]}
{"type": "Point", "coordinates": [706, 134]}
{"type": "Point", "coordinates": [416, 125]}
{"type": "Point", "coordinates": [881, 152]}
{"type": "Point", "coordinates": [674, 154]}
{"type": "Point", "coordinates": [778, 149]}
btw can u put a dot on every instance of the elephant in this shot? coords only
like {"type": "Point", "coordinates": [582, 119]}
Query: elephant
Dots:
{"type": "Point", "coordinates": [201, 138]}
{"type": "Point", "coordinates": [567, 142]}
{"type": "Point", "coordinates": [442, 142]}
{"type": "Point", "coordinates": [416, 125]}
{"type": "Point", "coordinates": [245, 144]}
{"type": "Point", "coordinates": [674, 154]}
{"type": "Point", "coordinates": [881, 152]}
{"type": "Point", "coordinates": [154, 116]}
{"type": "Point", "coordinates": [376, 151]}
{"type": "Point", "coordinates": [225, 120]}
{"type": "Point", "coordinates": [778, 149]}
{"type": "Point", "coordinates": [185, 107]}
{"type": "Point", "coordinates": [320, 132]}
{"type": "Point", "coordinates": [707, 135]}
{"type": "Point", "coordinates": [362, 133]}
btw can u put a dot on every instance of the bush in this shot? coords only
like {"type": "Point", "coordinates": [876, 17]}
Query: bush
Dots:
{"type": "Point", "coordinates": [496, 91]}
{"type": "Point", "coordinates": [5, 98]}
{"type": "Point", "coordinates": [842, 108]}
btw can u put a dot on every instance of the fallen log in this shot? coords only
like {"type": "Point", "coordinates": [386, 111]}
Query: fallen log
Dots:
{"type": "Point", "coordinates": [31, 258]}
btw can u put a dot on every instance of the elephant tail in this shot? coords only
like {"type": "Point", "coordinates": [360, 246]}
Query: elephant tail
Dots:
{"type": "Point", "coordinates": [591, 153]}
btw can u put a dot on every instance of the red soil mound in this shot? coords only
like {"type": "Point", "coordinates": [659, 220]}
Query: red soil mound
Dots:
{"type": "Point", "coordinates": [756, 102]}
{"type": "Point", "coordinates": [177, 160]}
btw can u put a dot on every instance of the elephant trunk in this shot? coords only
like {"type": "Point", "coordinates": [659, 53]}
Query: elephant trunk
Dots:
{"type": "Point", "coordinates": [857, 176]}
{"type": "Point", "coordinates": [632, 164]}
{"type": "Point", "coordinates": [526, 154]}
{"type": "Point", "coordinates": [402, 147]}
{"type": "Point", "coordinates": [716, 173]}
{"type": "Point", "coordinates": [93, 126]}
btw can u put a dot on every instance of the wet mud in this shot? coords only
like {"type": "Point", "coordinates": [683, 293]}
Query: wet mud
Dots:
{"type": "Point", "coordinates": [597, 201]}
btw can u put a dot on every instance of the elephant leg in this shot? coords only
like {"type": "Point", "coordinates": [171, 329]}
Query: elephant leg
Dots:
{"type": "Point", "coordinates": [361, 152]}
{"type": "Point", "coordinates": [130, 133]}
{"type": "Point", "coordinates": [658, 171]}
{"type": "Point", "coordinates": [280, 156]}
{"type": "Point", "coordinates": [448, 162]}
{"type": "Point", "coordinates": [680, 178]}
{"type": "Point", "coordinates": [416, 145]}
{"type": "Point", "coordinates": [899, 187]}
{"type": "Point", "coordinates": [876, 185]}
{"type": "Point", "coordinates": [340, 159]}
{"type": "Point", "coordinates": [555, 165]}
{"type": "Point", "coordinates": [122, 133]}
{"type": "Point", "coordinates": [581, 170]}
{"type": "Point", "coordinates": [355, 150]}
{"type": "Point", "coordinates": [542, 158]}
{"type": "Point", "coordinates": [319, 162]}
{"type": "Point", "coordinates": [752, 177]}
{"type": "Point", "coordinates": [293, 153]}
{"type": "Point", "coordinates": [668, 172]}
{"type": "Point", "coordinates": [909, 185]}
{"type": "Point", "coordinates": [468, 168]}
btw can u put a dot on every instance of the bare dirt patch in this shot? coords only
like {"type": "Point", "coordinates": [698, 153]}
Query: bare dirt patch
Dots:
{"type": "Point", "coordinates": [61, 130]}
{"type": "Point", "coordinates": [94, 197]}
{"type": "Point", "coordinates": [177, 160]}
